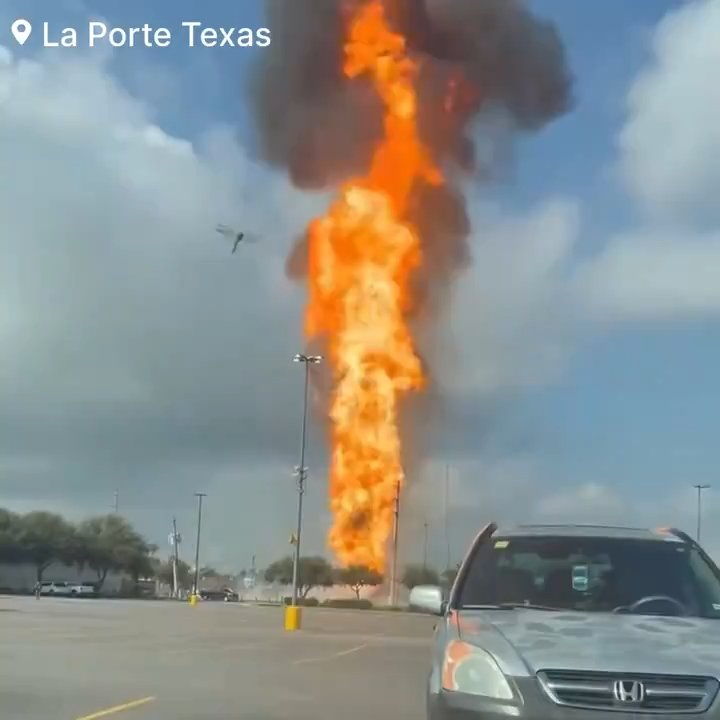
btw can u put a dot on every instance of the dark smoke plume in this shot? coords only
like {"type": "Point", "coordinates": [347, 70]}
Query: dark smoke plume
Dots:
{"type": "Point", "coordinates": [476, 56]}
{"type": "Point", "coordinates": [477, 59]}
{"type": "Point", "coordinates": [323, 128]}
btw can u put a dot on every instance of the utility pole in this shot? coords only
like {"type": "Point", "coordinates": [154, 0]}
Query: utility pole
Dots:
{"type": "Point", "coordinates": [175, 560]}
{"type": "Point", "coordinates": [196, 587]}
{"type": "Point", "coordinates": [116, 497]}
{"type": "Point", "coordinates": [447, 516]}
{"type": "Point", "coordinates": [393, 567]}
{"type": "Point", "coordinates": [425, 547]}
{"type": "Point", "coordinates": [699, 489]}
{"type": "Point", "coordinates": [301, 470]}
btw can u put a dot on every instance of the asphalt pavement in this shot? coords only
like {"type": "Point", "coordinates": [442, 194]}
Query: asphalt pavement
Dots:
{"type": "Point", "coordinates": [67, 659]}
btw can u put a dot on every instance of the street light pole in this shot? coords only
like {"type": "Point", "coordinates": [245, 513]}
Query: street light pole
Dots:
{"type": "Point", "coordinates": [175, 560]}
{"type": "Point", "coordinates": [200, 497]}
{"type": "Point", "coordinates": [699, 489]}
{"type": "Point", "coordinates": [301, 470]}
{"type": "Point", "coordinates": [425, 547]}
{"type": "Point", "coordinates": [393, 567]}
{"type": "Point", "coordinates": [447, 516]}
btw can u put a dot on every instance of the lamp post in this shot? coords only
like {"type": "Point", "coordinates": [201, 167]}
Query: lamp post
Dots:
{"type": "Point", "coordinates": [447, 516]}
{"type": "Point", "coordinates": [699, 489]}
{"type": "Point", "coordinates": [425, 546]}
{"type": "Point", "coordinates": [200, 497]}
{"type": "Point", "coordinates": [393, 566]}
{"type": "Point", "coordinates": [301, 470]}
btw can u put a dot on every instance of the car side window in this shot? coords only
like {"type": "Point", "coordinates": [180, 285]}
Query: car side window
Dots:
{"type": "Point", "coordinates": [706, 582]}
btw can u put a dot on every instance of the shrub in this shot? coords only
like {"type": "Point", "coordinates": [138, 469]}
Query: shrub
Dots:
{"type": "Point", "coordinates": [349, 604]}
{"type": "Point", "coordinates": [302, 602]}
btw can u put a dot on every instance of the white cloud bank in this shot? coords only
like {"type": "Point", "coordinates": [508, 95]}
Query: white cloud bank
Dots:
{"type": "Point", "coordinates": [670, 145]}
{"type": "Point", "coordinates": [136, 350]}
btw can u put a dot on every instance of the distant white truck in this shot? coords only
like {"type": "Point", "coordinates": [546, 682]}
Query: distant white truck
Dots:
{"type": "Point", "coordinates": [53, 587]}
{"type": "Point", "coordinates": [60, 588]}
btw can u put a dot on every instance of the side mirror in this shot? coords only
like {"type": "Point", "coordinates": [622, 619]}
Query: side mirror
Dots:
{"type": "Point", "coordinates": [427, 598]}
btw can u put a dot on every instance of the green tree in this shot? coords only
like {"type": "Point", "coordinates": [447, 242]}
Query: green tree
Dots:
{"type": "Point", "coordinates": [313, 572]}
{"type": "Point", "coordinates": [415, 575]}
{"type": "Point", "coordinates": [140, 563]}
{"type": "Point", "coordinates": [184, 571]}
{"type": "Point", "coordinates": [45, 538]}
{"type": "Point", "coordinates": [109, 542]}
{"type": "Point", "coordinates": [358, 577]}
{"type": "Point", "coordinates": [10, 549]}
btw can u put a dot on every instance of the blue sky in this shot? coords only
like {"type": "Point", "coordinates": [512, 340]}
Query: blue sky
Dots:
{"type": "Point", "coordinates": [634, 404]}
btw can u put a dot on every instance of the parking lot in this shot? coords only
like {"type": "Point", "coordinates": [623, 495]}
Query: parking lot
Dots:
{"type": "Point", "coordinates": [87, 659]}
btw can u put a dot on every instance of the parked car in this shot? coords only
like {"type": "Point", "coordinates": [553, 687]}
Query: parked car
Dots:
{"type": "Point", "coordinates": [53, 587]}
{"type": "Point", "coordinates": [569, 622]}
{"type": "Point", "coordinates": [226, 595]}
{"type": "Point", "coordinates": [82, 590]}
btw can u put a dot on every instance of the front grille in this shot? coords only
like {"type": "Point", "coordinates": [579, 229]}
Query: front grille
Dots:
{"type": "Point", "coordinates": [654, 694]}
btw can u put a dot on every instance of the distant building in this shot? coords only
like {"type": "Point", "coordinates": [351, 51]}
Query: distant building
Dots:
{"type": "Point", "coordinates": [21, 578]}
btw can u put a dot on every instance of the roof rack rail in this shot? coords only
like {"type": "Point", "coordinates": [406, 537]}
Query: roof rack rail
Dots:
{"type": "Point", "coordinates": [679, 534]}
{"type": "Point", "coordinates": [594, 526]}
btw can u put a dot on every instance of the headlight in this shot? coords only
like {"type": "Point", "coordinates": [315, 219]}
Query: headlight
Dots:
{"type": "Point", "coordinates": [469, 669]}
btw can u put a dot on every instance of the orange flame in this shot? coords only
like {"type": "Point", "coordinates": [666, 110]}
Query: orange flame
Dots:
{"type": "Point", "coordinates": [361, 257]}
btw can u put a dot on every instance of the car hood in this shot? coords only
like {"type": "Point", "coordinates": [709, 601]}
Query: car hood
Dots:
{"type": "Point", "coordinates": [545, 640]}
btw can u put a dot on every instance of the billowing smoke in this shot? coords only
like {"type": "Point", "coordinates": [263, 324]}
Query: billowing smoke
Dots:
{"type": "Point", "coordinates": [477, 57]}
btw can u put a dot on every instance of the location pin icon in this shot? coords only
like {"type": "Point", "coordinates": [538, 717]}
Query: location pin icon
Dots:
{"type": "Point", "coordinates": [21, 30]}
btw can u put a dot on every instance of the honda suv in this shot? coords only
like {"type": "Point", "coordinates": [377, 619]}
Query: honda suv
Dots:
{"type": "Point", "coordinates": [577, 622]}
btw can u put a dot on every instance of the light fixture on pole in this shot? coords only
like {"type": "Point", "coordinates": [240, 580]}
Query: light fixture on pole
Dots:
{"type": "Point", "coordinates": [301, 470]}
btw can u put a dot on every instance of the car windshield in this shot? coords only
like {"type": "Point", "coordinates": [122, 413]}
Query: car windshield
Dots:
{"type": "Point", "coordinates": [648, 577]}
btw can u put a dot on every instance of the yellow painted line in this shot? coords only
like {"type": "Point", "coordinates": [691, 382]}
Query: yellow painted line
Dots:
{"type": "Point", "coordinates": [117, 709]}
{"type": "Point", "coordinates": [326, 658]}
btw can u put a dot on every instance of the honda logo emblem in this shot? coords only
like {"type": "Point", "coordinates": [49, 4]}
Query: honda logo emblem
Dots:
{"type": "Point", "coordinates": [629, 691]}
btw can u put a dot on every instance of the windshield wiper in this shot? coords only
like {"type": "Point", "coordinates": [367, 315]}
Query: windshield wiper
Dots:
{"type": "Point", "coordinates": [509, 606]}
{"type": "Point", "coordinates": [529, 606]}
{"type": "Point", "coordinates": [487, 607]}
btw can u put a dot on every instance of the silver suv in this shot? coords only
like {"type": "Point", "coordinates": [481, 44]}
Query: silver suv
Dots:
{"type": "Point", "coordinates": [577, 622]}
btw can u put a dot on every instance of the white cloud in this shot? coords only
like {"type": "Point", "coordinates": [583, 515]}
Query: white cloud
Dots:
{"type": "Point", "coordinates": [588, 503]}
{"type": "Point", "coordinates": [595, 503]}
{"type": "Point", "coordinates": [134, 344]}
{"type": "Point", "coordinates": [671, 141]}
{"type": "Point", "coordinates": [136, 350]}
{"type": "Point", "coordinates": [651, 275]}
{"type": "Point", "coordinates": [510, 317]}
{"type": "Point", "coordinates": [668, 266]}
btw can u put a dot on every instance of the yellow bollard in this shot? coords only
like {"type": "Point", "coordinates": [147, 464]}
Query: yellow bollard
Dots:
{"type": "Point", "coordinates": [193, 600]}
{"type": "Point", "coordinates": [293, 616]}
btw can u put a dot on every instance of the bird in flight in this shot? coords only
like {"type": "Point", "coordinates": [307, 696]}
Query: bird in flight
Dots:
{"type": "Point", "coordinates": [235, 236]}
